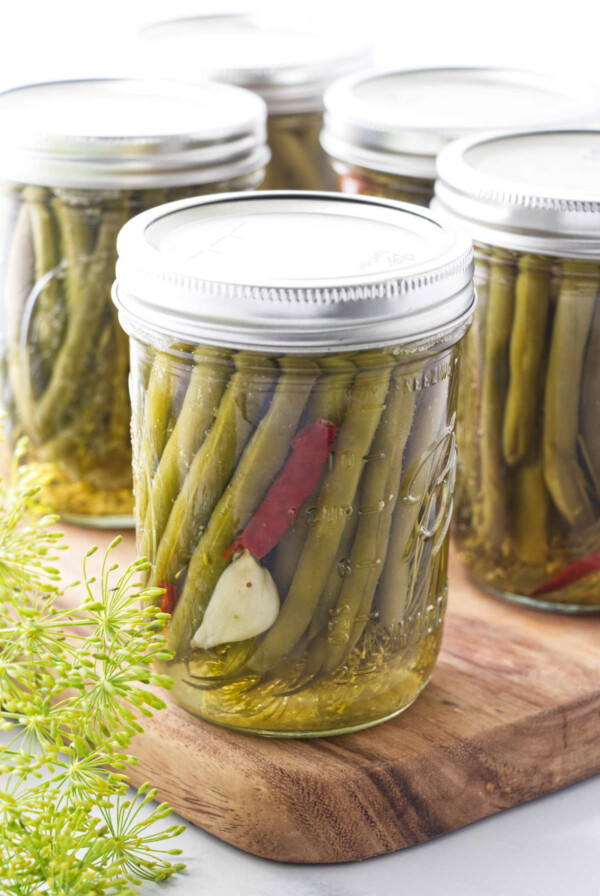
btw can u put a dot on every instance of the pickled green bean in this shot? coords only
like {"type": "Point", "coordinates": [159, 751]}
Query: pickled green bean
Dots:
{"type": "Point", "coordinates": [378, 497]}
{"type": "Point", "coordinates": [469, 403]}
{"type": "Point", "coordinates": [329, 399]}
{"type": "Point", "coordinates": [590, 400]}
{"type": "Point", "coordinates": [156, 414]}
{"type": "Point", "coordinates": [263, 456]}
{"type": "Point", "coordinates": [425, 440]}
{"type": "Point", "coordinates": [530, 512]}
{"type": "Point", "coordinates": [527, 351]}
{"type": "Point", "coordinates": [206, 386]}
{"type": "Point", "coordinates": [297, 160]}
{"type": "Point", "coordinates": [296, 166]}
{"type": "Point", "coordinates": [20, 267]}
{"type": "Point", "coordinates": [48, 313]}
{"type": "Point", "coordinates": [563, 473]}
{"type": "Point", "coordinates": [82, 327]}
{"type": "Point", "coordinates": [236, 417]}
{"type": "Point", "coordinates": [354, 440]}
{"type": "Point", "coordinates": [340, 568]}
{"type": "Point", "coordinates": [498, 327]}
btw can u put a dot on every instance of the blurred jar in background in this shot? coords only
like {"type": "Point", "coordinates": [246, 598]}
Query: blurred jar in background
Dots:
{"type": "Point", "coordinates": [383, 130]}
{"type": "Point", "coordinates": [527, 524]}
{"type": "Point", "coordinates": [77, 160]}
{"type": "Point", "coordinates": [288, 63]}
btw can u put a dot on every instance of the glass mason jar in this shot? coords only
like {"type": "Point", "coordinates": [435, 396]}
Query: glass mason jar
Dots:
{"type": "Point", "coordinates": [294, 449]}
{"type": "Point", "coordinates": [383, 130]}
{"type": "Point", "coordinates": [78, 160]}
{"type": "Point", "coordinates": [289, 67]}
{"type": "Point", "coordinates": [528, 494]}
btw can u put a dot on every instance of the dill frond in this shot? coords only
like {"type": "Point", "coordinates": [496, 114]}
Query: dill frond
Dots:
{"type": "Point", "coordinates": [74, 684]}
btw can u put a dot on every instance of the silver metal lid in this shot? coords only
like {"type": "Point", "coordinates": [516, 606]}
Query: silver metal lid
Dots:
{"type": "Point", "coordinates": [534, 191]}
{"type": "Point", "coordinates": [129, 134]}
{"type": "Point", "coordinates": [293, 271]}
{"type": "Point", "coordinates": [289, 64]}
{"type": "Point", "coordinates": [398, 121]}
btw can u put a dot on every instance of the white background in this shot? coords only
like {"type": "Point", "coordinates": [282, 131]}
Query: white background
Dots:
{"type": "Point", "coordinates": [550, 847]}
{"type": "Point", "coordinates": [52, 38]}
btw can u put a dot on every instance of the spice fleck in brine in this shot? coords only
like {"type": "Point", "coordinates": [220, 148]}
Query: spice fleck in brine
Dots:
{"type": "Point", "coordinates": [294, 449]}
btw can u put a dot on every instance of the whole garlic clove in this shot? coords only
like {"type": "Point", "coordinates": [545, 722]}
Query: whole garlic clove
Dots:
{"type": "Point", "coordinates": [245, 603]}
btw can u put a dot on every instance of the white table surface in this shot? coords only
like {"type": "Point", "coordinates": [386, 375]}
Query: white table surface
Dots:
{"type": "Point", "coordinates": [550, 847]}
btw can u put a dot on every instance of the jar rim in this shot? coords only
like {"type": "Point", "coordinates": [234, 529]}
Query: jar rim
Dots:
{"type": "Point", "coordinates": [398, 120]}
{"type": "Point", "coordinates": [236, 269]}
{"type": "Point", "coordinates": [289, 67]}
{"type": "Point", "coordinates": [535, 191]}
{"type": "Point", "coordinates": [113, 133]}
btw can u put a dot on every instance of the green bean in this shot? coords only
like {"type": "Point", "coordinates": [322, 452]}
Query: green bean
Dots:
{"type": "Point", "coordinates": [563, 474]}
{"type": "Point", "coordinates": [378, 497]}
{"type": "Point", "coordinates": [340, 568]}
{"type": "Point", "coordinates": [77, 243]}
{"type": "Point", "coordinates": [428, 437]}
{"type": "Point", "coordinates": [82, 327]}
{"type": "Point", "coordinates": [530, 507]}
{"type": "Point", "coordinates": [118, 401]}
{"type": "Point", "coordinates": [295, 162]}
{"type": "Point", "coordinates": [469, 397]}
{"type": "Point", "coordinates": [48, 313]}
{"type": "Point", "coordinates": [154, 427]}
{"type": "Point", "coordinates": [236, 417]}
{"type": "Point", "coordinates": [590, 400]}
{"type": "Point", "coordinates": [354, 440]}
{"type": "Point", "coordinates": [20, 268]}
{"type": "Point", "coordinates": [527, 351]}
{"type": "Point", "coordinates": [498, 326]}
{"type": "Point", "coordinates": [261, 460]}
{"type": "Point", "coordinates": [207, 382]}
{"type": "Point", "coordinates": [67, 447]}
{"type": "Point", "coordinates": [329, 400]}
{"type": "Point", "coordinates": [73, 243]}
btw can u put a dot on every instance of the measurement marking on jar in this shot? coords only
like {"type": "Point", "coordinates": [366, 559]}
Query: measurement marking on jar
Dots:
{"type": "Point", "coordinates": [233, 234]}
{"type": "Point", "coordinates": [328, 514]}
{"type": "Point", "coordinates": [418, 382]}
{"type": "Point", "coordinates": [389, 257]}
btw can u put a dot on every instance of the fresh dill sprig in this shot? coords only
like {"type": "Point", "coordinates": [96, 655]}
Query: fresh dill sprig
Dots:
{"type": "Point", "coordinates": [74, 683]}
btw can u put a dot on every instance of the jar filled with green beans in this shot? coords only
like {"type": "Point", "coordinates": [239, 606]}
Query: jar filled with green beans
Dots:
{"type": "Point", "coordinates": [383, 130]}
{"type": "Point", "coordinates": [294, 370]}
{"type": "Point", "coordinates": [528, 494]}
{"type": "Point", "coordinates": [78, 159]}
{"type": "Point", "coordinates": [289, 64]}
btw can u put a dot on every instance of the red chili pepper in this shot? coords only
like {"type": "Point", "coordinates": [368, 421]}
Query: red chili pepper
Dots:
{"type": "Point", "coordinates": [570, 574]}
{"type": "Point", "coordinates": [169, 599]}
{"type": "Point", "coordinates": [298, 478]}
{"type": "Point", "coordinates": [352, 183]}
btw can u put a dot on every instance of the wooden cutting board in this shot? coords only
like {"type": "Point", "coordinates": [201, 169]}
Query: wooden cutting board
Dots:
{"type": "Point", "coordinates": [512, 712]}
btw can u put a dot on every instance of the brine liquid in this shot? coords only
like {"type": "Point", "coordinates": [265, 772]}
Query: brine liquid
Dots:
{"type": "Point", "coordinates": [528, 491]}
{"type": "Point", "coordinates": [382, 676]}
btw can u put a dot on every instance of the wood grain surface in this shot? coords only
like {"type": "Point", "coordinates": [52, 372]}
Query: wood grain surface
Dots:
{"type": "Point", "coordinates": [512, 712]}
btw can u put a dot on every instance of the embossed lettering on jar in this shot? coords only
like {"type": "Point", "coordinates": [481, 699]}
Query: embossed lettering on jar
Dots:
{"type": "Point", "coordinates": [294, 448]}
{"type": "Point", "coordinates": [78, 159]}
{"type": "Point", "coordinates": [528, 496]}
